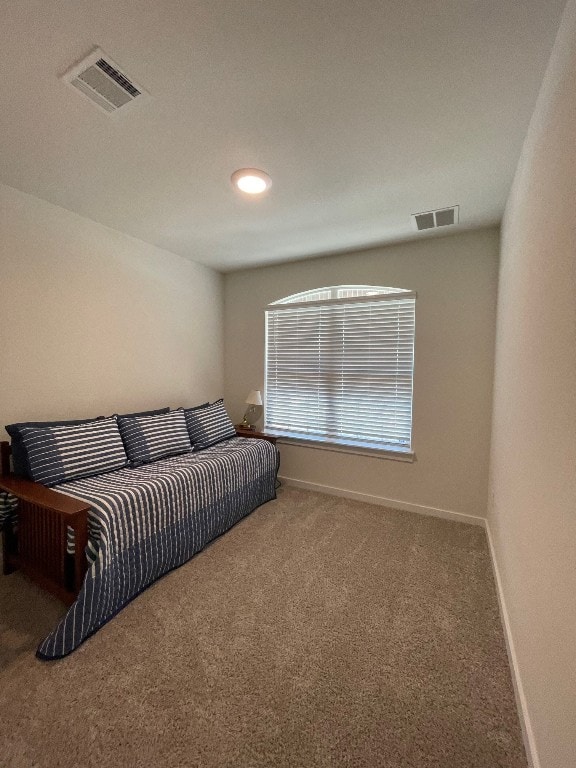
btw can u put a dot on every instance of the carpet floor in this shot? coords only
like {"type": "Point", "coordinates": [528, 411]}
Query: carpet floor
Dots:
{"type": "Point", "coordinates": [317, 632]}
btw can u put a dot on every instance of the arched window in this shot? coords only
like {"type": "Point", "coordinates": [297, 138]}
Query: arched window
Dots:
{"type": "Point", "coordinates": [339, 366]}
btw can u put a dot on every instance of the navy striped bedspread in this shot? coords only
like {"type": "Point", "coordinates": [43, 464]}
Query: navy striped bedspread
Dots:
{"type": "Point", "coordinates": [153, 518]}
{"type": "Point", "coordinates": [8, 507]}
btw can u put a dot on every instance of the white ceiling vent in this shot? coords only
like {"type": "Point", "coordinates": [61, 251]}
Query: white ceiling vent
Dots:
{"type": "Point", "coordinates": [443, 217]}
{"type": "Point", "coordinates": [98, 78]}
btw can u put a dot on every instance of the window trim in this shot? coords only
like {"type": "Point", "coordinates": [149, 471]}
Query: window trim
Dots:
{"type": "Point", "coordinates": [281, 306]}
{"type": "Point", "coordinates": [394, 454]}
{"type": "Point", "coordinates": [316, 441]}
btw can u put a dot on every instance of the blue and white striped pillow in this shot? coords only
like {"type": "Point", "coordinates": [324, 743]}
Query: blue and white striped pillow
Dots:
{"type": "Point", "coordinates": [209, 425]}
{"type": "Point", "coordinates": [148, 438]}
{"type": "Point", "coordinates": [19, 455]}
{"type": "Point", "coordinates": [59, 454]}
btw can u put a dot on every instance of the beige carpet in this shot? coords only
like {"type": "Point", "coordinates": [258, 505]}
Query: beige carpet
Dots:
{"type": "Point", "coordinates": [318, 632]}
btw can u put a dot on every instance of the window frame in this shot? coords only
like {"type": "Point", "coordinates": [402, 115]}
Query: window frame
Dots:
{"type": "Point", "coordinates": [364, 294]}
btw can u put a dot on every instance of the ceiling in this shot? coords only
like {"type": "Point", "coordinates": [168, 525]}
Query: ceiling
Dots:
{"type": "Point", "coordinates": [362, 113]}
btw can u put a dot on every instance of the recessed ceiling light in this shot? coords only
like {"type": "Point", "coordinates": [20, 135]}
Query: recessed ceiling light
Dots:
{"type": "Point", "coordinates": [251, 180]}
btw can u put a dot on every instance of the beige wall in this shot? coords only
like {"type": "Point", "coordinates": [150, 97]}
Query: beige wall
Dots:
{"type": "Point", "coordinates": [533, 464]}
{"type": "Point", "coordinates": [455, 278]}
{"type": "Point", "coordinates": [94, 322]}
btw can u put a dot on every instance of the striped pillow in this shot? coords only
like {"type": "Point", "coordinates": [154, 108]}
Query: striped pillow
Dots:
{"type": "Point", "coordinates": [59, 454]}
{"type": "Point", "coordinates": [148, 438]}
{"type": "Point", "coordinates": [19, 455]}
{"type": "Point", "coordinates": [209, 425]}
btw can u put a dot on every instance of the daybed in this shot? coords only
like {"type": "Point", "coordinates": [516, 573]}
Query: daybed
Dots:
{"type": "Point", "coordinates": [97, 541]}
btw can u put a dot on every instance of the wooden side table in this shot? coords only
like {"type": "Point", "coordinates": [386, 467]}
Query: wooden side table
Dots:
{"type": "Point", "coordinates": [242, 432]}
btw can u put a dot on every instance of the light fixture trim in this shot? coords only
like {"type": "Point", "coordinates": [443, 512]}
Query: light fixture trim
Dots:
{"type": "Point", "coordinates": [251, 181]}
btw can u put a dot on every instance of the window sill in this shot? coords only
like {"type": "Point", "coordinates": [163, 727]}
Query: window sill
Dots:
{"type": "Point", "coordinates": [394, 454]}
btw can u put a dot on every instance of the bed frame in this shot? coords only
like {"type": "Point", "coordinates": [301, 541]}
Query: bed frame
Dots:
{"type": "Point", "coordinates": [38, 546]}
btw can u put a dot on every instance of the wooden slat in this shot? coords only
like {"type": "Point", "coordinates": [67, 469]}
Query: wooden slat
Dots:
{"type": "Point", "coordinates": [5, 452]}
{"type": "Point", "coordinates": [39, 547]}
{"type": "Point", "coordinates": [9, 552]}
{"type": "Point", "coordinates": [41, 540]}
{"type": "Point", "coordinates": [42, 548]}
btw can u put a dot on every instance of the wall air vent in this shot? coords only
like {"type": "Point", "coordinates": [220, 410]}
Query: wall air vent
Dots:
{"type": "Point", "coordinates": [443, 217]}
{"type": "Point", "coordinates": [99, 79]}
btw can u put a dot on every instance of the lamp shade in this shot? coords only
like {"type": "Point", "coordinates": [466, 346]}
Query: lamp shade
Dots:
{"type": "Point", "coordinates": [254, 397]}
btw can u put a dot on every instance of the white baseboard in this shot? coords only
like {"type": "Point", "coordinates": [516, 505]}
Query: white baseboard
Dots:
{"type": "Point", "coordinates": [521, 705]}
{"type": "Point", "coordinates": [446, 514]}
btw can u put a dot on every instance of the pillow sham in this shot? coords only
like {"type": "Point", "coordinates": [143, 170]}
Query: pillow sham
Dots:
{"type": "Point", "coordinates": [62, 453]}
{"type": "Point", "coordinates": [20, 461]}
{"type": "Point", "coordinates": [149, 438]}
{"type": "Point", "coordinates": [19, 454]}
{"type": "Point", "coordinates": [208, 425]}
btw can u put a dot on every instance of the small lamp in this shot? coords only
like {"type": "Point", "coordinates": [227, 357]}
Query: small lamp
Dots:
{"type": "Point", "coordinates": [254, 401]}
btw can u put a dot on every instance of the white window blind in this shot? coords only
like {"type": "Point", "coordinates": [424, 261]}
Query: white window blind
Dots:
{"type": "Point", "coordinates": [340, 369]}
